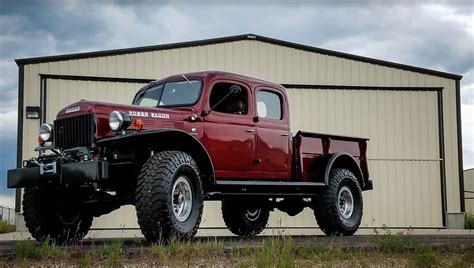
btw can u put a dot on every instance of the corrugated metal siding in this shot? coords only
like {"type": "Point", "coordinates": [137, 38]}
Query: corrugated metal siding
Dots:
{"type": "Point", "coordinates": [286, 65]}
{"type": "Point", "coordinates": [403, 148]}
{"type": "Point", "coordinates": [402, 154]}
{"type": "Point", "coordinates": [63, 92]}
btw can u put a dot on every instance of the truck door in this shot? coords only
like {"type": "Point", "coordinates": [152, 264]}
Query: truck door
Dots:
{"type": "Point", "coordinates": [273, 134]}
{"type": "Point", "coordinates": [229, 130]}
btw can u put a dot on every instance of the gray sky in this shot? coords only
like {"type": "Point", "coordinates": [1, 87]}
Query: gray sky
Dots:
{"type": "Point", "coordinates": [433, 34]}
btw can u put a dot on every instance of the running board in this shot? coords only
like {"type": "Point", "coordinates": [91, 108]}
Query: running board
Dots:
{"type": "Point", "coordinates": [224, 188]}
{"type": "Point", "coordinates": [268, 183]}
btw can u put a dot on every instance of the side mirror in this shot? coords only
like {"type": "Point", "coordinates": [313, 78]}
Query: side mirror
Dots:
{"type": "Point", "coordinates": [235, 90]}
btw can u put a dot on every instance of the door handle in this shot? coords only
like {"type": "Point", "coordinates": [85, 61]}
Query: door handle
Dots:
{"type": "Point", "coordinates": [286, 134]}
{"type": "Point", "coordinates": [250, 130]}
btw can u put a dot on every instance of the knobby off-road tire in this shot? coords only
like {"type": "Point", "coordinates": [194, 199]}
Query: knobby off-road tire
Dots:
{"type": "Point", "coordinates": [47, 224]}
{"type": "Point", "coordinates": [244, 218]}
{"type": "Point", "coordinates": [332, 206]}
{"type": "Point", "coordinates": [166, 179]}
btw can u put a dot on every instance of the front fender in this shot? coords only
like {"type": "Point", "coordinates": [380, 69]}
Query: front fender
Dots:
{"type": "Point", "coordinates": [166, 140]}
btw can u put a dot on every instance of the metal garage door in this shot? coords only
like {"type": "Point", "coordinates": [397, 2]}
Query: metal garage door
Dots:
{"type": "Point", "coordinates": [403, 150]}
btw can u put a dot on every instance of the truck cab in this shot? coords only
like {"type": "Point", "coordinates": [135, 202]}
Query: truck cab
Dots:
{"type": "Point", "coordinates": [186, 139]}
{"type": "Point", "coordinates": [256, 140]}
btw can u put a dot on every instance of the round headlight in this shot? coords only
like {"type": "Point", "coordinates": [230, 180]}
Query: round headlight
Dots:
{"type": "Point", "coordinates": [46, 132]}
{"type": "Point", "coordinates": [115, 120]}
{"type": "Point", "coordinates": [119, 120]}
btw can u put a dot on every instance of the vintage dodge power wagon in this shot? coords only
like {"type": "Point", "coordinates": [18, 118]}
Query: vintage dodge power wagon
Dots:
{"type": "Point", "coordinates": [186, 139]}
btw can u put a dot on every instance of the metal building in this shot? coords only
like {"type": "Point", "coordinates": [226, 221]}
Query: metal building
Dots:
{"type": "Point", "coordinates": [410, 114]}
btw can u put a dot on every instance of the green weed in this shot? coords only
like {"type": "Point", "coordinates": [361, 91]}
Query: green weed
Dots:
{"type": "Point", "coordinates": [426, 259]}
{"type": "Point", "coordinates": [469, 220]}
{"type": "Point", "coordinates": [185, 251]}
{"type": "Point", "coordinates": [32, 250]}
{"type": "Point", "coordinates": [395, 243]}
{"type": "Point", "coordinates": [112, 252]}
{"type": "Point", "coordinates": [85, 260]}
{"type": "Point", "coordinates": [52, 251]}
{"type": "Point", "coordinates": [424, 255]}
{"type": "Point", "coordinates": [6, 227]}
{"type": "Point", "coordinates": [276, 252]}
{"type": "Point", "coordinates": [27, 250]}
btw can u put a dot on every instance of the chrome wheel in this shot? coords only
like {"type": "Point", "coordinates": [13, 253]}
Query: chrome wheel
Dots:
{"type": "Point", "coordinates": [345, 202]}
{"type": "Point", "coordinates": [252, 214]}
{"type": "Point", "coordinates": [182, 198]}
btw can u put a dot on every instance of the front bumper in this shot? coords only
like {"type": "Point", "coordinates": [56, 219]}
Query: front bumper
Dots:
{"type": "Point", "coordinates": [79, 173]}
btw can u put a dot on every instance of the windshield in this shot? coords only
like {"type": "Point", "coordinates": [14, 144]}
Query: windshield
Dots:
{"type": "Point", "coordinates": [182, 93]}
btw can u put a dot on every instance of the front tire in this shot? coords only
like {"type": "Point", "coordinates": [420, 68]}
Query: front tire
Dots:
{"type": "Point", "coordinates": [338, 207]}
{"type": "Point", "coordinates": [169, 197]}
{"type": "Point", "coordinates": [60, 221]}
{"type": "Point", "coordinates": [244, 218]}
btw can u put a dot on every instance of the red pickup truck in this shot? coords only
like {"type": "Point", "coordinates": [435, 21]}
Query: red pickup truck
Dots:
{"type": "Point", "coordinates": [186, 139]}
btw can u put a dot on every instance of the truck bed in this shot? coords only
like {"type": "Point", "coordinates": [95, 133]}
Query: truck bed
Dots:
{"type": "Point", "coordinates": [310, 146]}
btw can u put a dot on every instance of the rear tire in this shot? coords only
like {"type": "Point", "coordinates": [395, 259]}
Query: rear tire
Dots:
{"type": "Point", "coordinates": [244, 218]}
{"type": "Point", "coordinates": [169, 197]}
{"type": "Point", "coordinates": [338, 207]}
{"type": "Point", "coordinates": [45, 219]}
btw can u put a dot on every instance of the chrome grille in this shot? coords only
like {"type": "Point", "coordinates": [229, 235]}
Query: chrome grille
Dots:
{"type": "Point", "coordinates": [74, 131]}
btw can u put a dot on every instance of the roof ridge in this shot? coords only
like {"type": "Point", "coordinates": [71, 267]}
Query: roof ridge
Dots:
{"type": "Point", "coordinates": [249, 36]}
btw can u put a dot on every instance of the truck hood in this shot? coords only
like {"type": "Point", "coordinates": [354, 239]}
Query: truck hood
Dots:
{"type": "Point", "coordinates": [152, 118]}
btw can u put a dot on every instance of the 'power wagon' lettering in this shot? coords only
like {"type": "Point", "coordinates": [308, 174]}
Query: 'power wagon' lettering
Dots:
{"type": "Point", "coordinates": [145, 114]}
{"type": "Point", "coordinates": [160, 115]}
{"type": "Point", "coordinates": [140, 114]}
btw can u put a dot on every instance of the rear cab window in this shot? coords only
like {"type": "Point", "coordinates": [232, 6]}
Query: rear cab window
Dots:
{"type": "Point", "coordinates": [269, 105]}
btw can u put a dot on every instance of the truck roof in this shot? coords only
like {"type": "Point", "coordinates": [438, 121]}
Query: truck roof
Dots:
{"type": "Point", "coordinates": [220, 74]}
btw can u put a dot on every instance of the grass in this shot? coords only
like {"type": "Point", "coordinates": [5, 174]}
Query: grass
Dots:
{"type": "Point", "coordinates": [184, 252]}
{"type": "Point", "coordinates": [112, 253]}
{"type": "Point", "coordinates": [397, 243]}
{"type": "Point", "coordinates": [6, 227]}
{"type": "Point", "coordinates": [32, 250]}
{"type": "Point", "coordinates": [276, 251]}
{"type": "Point", "coordinates": [469, 220]}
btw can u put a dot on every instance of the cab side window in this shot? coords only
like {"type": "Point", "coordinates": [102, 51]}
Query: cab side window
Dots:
{"type": "Point", "coordinates": [225, 99]}
{"type": "Point", "coordinates": [269, 105]}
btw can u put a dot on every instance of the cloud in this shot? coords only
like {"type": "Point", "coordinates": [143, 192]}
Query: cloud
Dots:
{"type": "Point", "coordinates": [430, 40]}
{"type": "Point", "coordinates": [467, 87]}
{"type": "Point", "coordinates": [468, 134]}
{"type": "Point", "coordinates": [7, 149]}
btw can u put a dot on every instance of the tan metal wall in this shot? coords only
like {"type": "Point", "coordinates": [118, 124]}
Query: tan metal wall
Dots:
{"type": "Point", "coordinates": [63, 92]}
{"type": "Point", "coordinates": [469, 188]}
{"type": "Point", "coordinates": [403, 155]}
{"type": "Point", "coordinates": [285, 65]}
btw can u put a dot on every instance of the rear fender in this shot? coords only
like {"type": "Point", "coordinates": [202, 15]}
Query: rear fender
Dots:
{"type": "Point", "coordinates": [322, 167]}
{"type": "Point", "coordinates": [139, 145]}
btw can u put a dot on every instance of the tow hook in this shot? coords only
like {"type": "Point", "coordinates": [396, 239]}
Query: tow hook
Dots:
{"type": "Point", "coordinates": [49, 168]}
